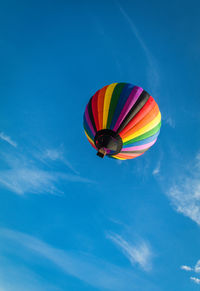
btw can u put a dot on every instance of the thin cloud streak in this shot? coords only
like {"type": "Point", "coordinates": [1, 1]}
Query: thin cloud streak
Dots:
{"type": "Point", "coordinates": [92, 271]}
{"type": "Point", "coordinates": [136, 33]}
{"type": "Point", "coordinates": [8, 139]}
{"type": "Point", "coordinates": [153, 75]}
{"type": "Point", "coordinates": [25, 180]}
{"type": "Point", "coordinates": [156, 171]}
{"type": "Point", "coordinates": [197, 267]}
{"type": "Point", "coordinates": [36, 181]}
{"type": "Point", "coordinates": [55, 155]}
{"type": "Point", "coordinates": [139, 253]}
{"type": "Point", "coordinates": [28, 175]}
{"type": "Point", "coordinates": [16, 277]}
{"type": "Point", "coordinates": [186, 268]}
{"type": "Point", "coordinates": [196, 280]}
{"type": "Point", "coordinates": [169, 121]}
{"type": "Point", "coordinates": [185, 194]}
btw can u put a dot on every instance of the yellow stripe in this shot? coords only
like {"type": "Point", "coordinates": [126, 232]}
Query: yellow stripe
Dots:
{"type": "Point", "coordinates": [89, 138]}
{"type": "Point", "coordinates": [144, 129]}
{"type": "Point", "coordinates": [107, 100]}
{"type": "Point", "coordinates": [115, 157]}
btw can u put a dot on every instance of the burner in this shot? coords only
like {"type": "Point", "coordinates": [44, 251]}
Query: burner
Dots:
{"type": "Point", "coordinates": [108, 142]}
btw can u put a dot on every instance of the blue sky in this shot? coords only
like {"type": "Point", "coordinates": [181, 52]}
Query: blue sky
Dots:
{"type": "Point", "coordinates": [69, 220]}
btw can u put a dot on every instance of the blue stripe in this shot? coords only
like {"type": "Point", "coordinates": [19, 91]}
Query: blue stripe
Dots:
{"type": "Point", "coordinates": [143, 141]}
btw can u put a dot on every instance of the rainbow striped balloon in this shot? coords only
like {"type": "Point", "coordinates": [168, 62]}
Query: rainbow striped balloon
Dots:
{"type": "Point", "coordinates": [122, 121]}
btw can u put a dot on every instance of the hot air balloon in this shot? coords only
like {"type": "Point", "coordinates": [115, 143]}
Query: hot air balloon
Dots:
{"type": "Point", "coordinates": [122, 121]}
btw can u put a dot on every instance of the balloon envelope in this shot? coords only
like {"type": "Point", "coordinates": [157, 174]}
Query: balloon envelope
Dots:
{"type": "Point", "coordinates": [122, 121]}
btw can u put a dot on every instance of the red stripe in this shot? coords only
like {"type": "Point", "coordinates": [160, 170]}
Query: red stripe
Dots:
{"type": "Point", "coordinates": [147, 119]}
{"type": "Point", "coordinates": [92, 145]}
{"type": "Point", "coordinates": [101, 98]}
{"type": "Point", "coordinates": [95, 109]}
{"type": "Point", "coordinates": [128, 156]}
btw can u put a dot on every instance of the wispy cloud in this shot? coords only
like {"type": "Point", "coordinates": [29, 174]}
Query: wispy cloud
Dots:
{"type": "Point", "coordinates": [153, 74]}
{"type": "Point", "coordinates": [139, 253]}
{"type": "Point", "coordinates": [17, 277]}
{"type": "Point", "coordinates": [55, 154]}
{"type": "Point", "coordinates": [25, 180]}
{"type": "Point", "coordinates": [8, 139]}
{"type": "Point", "coordinates": [26, 174]}
{"type": "Point", "coordinates": [195, 269]}
{"type": "Point", "coordinates": [169, 121]}
{"type": "Point", "coordinates": [156, 171]}
{"type": "Point", "coordinates": [186, 268]}
{"type": "Point", "coordinates": [185, 193]}
{"type": "Point", "coordinates": [196, 280]}
{"type": "Point", "coordinates": [135, 32]}
{"type": "Point", "coordinates": [93, 271]}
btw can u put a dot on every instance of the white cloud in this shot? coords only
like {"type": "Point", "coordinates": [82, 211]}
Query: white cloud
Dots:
{"type": "Point", "coordinates": [156, 171]}
{"type": "Point", "coordinates": [153, 75]}
{"type": "Point", "coordinates": [198, 161]}
{"type": "Point", "coordinates": [196, 280]}
{"type": "Point", "coordinates": [136, 33]}
{"type": "Point", "coordinates": [16, 277]}
{"type": "Point", "coordinates": [169, 121]}
{"type": "Point", "coordinates": [54, 155]}
{"type": "Point", "coordinates": [139, 253]}
{"type": "Point", "coordinates": [197, 267]}
{"type": "Point", "coordinates": [26, 175]}
{"type": "Point", "coordinates": [25, 180]}
{"type": "Point", "coordinates": [8, 139]}
{"type": "Point", "coordinates": [89, 269]}
{"type": "Point", "coordinates": [186, 268]}
{"type": "Point", "coordinates": [119, 162]}
{"type": "Point", "coordinates": [185, 194]}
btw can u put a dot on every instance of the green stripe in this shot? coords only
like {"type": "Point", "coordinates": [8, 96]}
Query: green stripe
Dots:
{"type": "Point", "coordinates": [113, 103]}
{"type": "Point", "coordinates": [92, 138]}
{"type": "Point", "coordinates": [134, 152]}
{"type": "Point", "coordinates": [145, 135]}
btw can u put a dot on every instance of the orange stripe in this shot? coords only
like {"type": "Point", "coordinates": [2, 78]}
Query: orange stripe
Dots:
{"type": "Point", "coordinates": [140, 115]}
{"type": "Point", "coordinates": [147, 119]}
{"type": "Point", "coordinates": [100, 107]}
{"type": "Point", "coordinates": [117, 158]}
{"type": "Point", "coordinates": [125, 156]}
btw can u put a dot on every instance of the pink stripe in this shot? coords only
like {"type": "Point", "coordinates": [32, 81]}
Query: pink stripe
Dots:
{"type": "Point", "coordinates": [133, 97]}
{"type": "Point", "coordinates": [127, 155]}
{"type": "Point", "coordinates": [141, 147]}
{"type": "Point", "coordinates": [89, 121]}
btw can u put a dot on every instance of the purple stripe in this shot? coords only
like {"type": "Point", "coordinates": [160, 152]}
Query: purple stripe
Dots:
{"type": "Point", "coordinates": [141, 147]}
{"type": "Point", "coordinates": [89, 121]}
{"type": "Point", "coordinates": [133, 97]}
